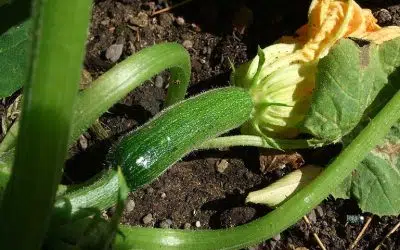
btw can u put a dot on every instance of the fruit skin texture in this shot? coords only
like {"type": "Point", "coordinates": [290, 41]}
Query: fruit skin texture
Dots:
{"type": "Point", "coordinates": [147, 152]}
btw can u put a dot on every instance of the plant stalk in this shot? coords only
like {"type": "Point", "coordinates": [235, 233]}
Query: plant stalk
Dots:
{"type": "Point", "coordinates": [258, 141]}
{"type": "Point", "coordinates": [59, 34]}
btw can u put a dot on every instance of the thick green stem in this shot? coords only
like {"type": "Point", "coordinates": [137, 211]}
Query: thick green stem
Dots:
{"type": "Point", "coordinates": [100, 192]}
{"type": "Point", "coordinates": [126, 76]}
{"type": "Point", "coordinates": [282, 217]}
{"type": "Point", "coordinates": [257, 141]}
{"type": "Point", "coordinates": [59, 34]}
{"type": "Point", "coordinates": [120, 80]}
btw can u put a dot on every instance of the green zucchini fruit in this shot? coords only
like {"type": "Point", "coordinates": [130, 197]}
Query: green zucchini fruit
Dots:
{"type": "Point", "coordinates": [147, 152]}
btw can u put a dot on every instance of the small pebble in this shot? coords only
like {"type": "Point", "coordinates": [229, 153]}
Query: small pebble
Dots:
{"type": "Point", "coordinates": [83, 143]}
{"type": "Point", "coordinates": [198, 224]}
{"type": "Point", "coordinates": [383, 16]}
{"type": "Point", "coordinates": [166, 223]}
{"type": "Point", "coordinates": [180, 21]}
{"type": "Point", "coordinates": [148, 219]}
{"type": "Point", "coordinates": [195, 27]}
{"type": "Point", "coordinates": [187, 44]}
{"type": "Point", "coordinates": [222, 165]}
{"type": "Point", "coordinates": [320, 211]}
{"type": "Point", "coordinates": [141, 20]}
{"type": "Point", "coordinates": [114, 52]}
{"type": "Point", "coordinates": [312, 216]}
{"type": "Point", "coordinates": [354, 219]}
{"type": "Point", "coordinates": [163, 195]}
{"type": "Point", "coordinates": [166, 19]}
{"type": "Point", "coordinates": [131, 47]}
{"type": "Point", "coordinates": [150, 190]}
{"type": "Point", "coordinates": [277, 237]}
{"type": "Point", "coordinates": [159, 81]}
{"type": "Point", "coordinates": [187, 226]}
{"type": "Point", "coordinates": [333, 219]}
{"type": "Point", "coordinates": [130, 205]}
{"type": "Point", "coordinates": [105, 22]}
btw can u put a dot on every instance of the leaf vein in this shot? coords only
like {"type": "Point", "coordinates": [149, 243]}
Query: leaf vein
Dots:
{"type": "Point", "coordinates": [336, 83]}
{"type": "Point", "coordinates": [377, 179]}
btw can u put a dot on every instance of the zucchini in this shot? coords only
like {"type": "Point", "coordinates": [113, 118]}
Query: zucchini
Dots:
{"type": "Point", "coordinates": [147, 152]}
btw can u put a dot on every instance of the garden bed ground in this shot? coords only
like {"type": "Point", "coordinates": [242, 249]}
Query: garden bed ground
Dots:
{"type": "Point", "coordinates": [198, 192]}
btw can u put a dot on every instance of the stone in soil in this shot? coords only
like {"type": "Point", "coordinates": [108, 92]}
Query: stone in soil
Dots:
{"type": "Point", "coordinates": [147, 219]}
{"type": "Point", "coordinates": [198, 224]}
{"type": "Point", "coordinates": [159, 81]}
{"type": "Point", "coordinates": [222, 166]}
{"type": "Point", "coordinates": [166, 19]}
{"type": "Point", "coordinates": [130, 205]}
{"type": "Point", "coordinates": [187, 44]}
{"type": "Point", "coordinates": [312, 216]}
{"type": "Point", "coordinates": [141, 20]}
{"type": "Point", "coordinates": [180, 21]}
{"type": "Point", "coordinates": [114, 52]}
{"type": "Point", "coordinates": [166, 223]}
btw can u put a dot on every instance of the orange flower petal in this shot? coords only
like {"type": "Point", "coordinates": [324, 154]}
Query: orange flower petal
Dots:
{"type": "Point", "coordinates": [331, 20]}
{"type": "Point", "coordinates": [382, 35]}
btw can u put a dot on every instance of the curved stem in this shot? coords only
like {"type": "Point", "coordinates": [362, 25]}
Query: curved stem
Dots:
{"type": "Point", "coordinates": [282, 217]}
{"type": "Point", "coordinates": [100, 192]}
{"type": "Point", "coordinates": [116, 83]}
{"type": "Point", "coordinates": [258, 141]}
{"type": "Point", "coordinates": [178, 84]}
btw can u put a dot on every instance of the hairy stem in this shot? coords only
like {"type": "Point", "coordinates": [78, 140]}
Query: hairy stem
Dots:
{"type": "Point", "coordinates": [257, 141]}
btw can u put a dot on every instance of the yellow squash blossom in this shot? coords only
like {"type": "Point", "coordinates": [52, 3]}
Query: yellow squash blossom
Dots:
{"type": "Point", "coordinates": [281, 78]}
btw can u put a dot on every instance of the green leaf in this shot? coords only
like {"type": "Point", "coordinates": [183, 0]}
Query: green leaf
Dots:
{"type": "Point", "coordinates": [375, 184]}
{"type": "Point", "coordinates": [14, 46]}
{"type": "Point", "coordinates": [347, 82]}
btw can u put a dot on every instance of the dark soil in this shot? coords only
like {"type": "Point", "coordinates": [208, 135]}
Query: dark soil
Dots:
{"type": "Point", "coordinates": [195, 193]}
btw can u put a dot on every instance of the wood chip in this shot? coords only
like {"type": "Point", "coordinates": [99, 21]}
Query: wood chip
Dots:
{"type": "Point", "coordinates": [274, 159]}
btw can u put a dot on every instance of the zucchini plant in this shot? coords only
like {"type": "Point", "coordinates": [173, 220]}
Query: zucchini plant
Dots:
{"type": "Point", "coordinates": [327, 90]}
